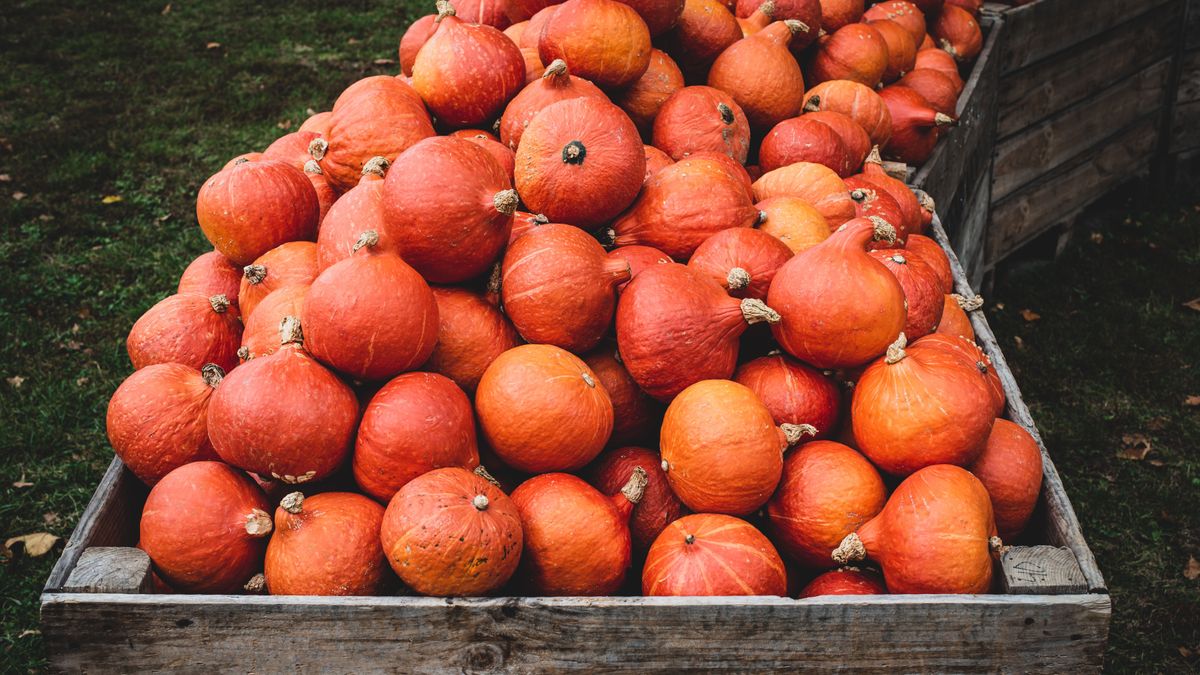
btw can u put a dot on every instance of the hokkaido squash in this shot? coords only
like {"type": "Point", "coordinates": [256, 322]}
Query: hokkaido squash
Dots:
{"type": "Point", "coordinates": [519, 10]}
{"type": "Point", "coordinates": [870, 201]}
{"type": "Point", "coordinates": [761, 75]}
{"type": "Point", "coordinates": [905, 14]}
{"type": "Point", "coordinates": [939, 90]}
{"type": "Point", "coordinates": [261, 335]}
{"type": "Point", "coordinates": [537, 21]}
{"type": "Point", "coordinates": [916, 125]}
{"type": "Point", "coordinates": [793, 221]}
{"type": "Point", "coordinates": [955, 321]}
{"type": "Point", "coordinates": [929, 251]}
{"type": "Point", "coordinates": [793, 392]}
{"type": "Point", "coordinates": [211, 274]}
{"type": "Point", "coordinates": [836, 14]}
{"type": "Point", "coordinates": [956, 31]}
{"type": "Point", "coordinates": [317, 122]}
{"type": "Point", "coordinates": [556, 84]}
{"type": "Point", "coordinates": [759, 19]}
{"type": "Point", "coordinates": [645, 97]}
{"type": "Point", "coordinates": [807, 12]}
{"type": "Point", "coordinates": [375, 117]}
{"type": "Point", "coordinates": [901, 49]}
{"type": "Point", "coordinates": [1011, 470]}
{"type": "Point", "coordinates": [656, 160]}
{"type": "Point", "coordinates": [856, 101]}
{"type": "Point", "coordinates": [855, 52]}
{"type": "Point", "coordinates": [845, 581]}
{"type": "Point", "coordinates": [492, 13]}
{"type": "Point", "coordinates": [471, 334]}
{"type": "Point", "coordinates": [742, 260]}
{"type": "Point", "coordinates": [942, 62]}
{"type": "Point", "coordinates": [415, 37]}
{"type": "Point", "coordinates": [638, 258]}
{"type": "Point", "coordinates": [503, 155]}
{"type": "Point", "coordinates": [696, 119]}
{"type": "Point", "coordinates": [803, 139]}
{"type": "Point", "coordinates": [713, 555]}
{"type": "Point", "coordinates": [814, 183]}
{"type": "Point", "coordinates": [250, 208]}
{"type": "Point", "coordinates": [705, 29]}
{"type": "Point", "coordinates": [358, 210]}
{"type": "Point", "coordinates": [186, 328]}
{"type": "Point", "coordinates": [290, 264]}
{"type": "Point", "coordinates": [910, 209]}
{"type": "Point", "coordinates": [327, 194]}
{"type": "Point", "coordinates": [981, 365]}
{"type": "Point", "coordinates": [855, 140]}
{"type": "Point", "coordinates": [922, 290]}
{"type": "Point", "coordinates": [636, 416]}
{"type": "Point", "coordinates": [326, 544]}
{"type": "Point", "coordinates": [658, 508]}
{"type": "Point", "coordinates": [604, 41]}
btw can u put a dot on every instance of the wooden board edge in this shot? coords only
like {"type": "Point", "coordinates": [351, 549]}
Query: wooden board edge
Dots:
{"type": "Point", "coordinates": [102, 501]}
{"type": "Point", "coordinates": [1041, 13]}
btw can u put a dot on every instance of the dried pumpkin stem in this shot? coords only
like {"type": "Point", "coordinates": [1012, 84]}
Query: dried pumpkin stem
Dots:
{"type": "Point", "coordinates": [899, 259]}
{"type": "Point", "coordinates": [212, 374]}
{"type": "Point", "coordinates": [895, 351]}
{"type": "Point", "coordinates": [883, 230]}
{"type": "Point", "coordinates": [948, 47]}
{"type": "Point", "coordinates": [944, 120]}
{"type": "Point", "coordinates": [588, 380]}
{"type": "Point", "coordinates": [369, 239]}
{"type": "Point", "coordinates": [483, 473]}
{"type": "Point", "coordinates": [493, 284]}
{"type": "Point", "coordinates": [813, 104]}
{"type": "Point", "coordinates": [219, 303]}
{"type": "Point", "coordinates": [737, 279]}
{"type": "Point", "coordinates": [859, 195]}
{"type": "Point", "coordinates": [256, 585]}
{"type": "Point", "coordinates": [689, 539]}
{"type": "Point", "coordinates": [874, 157]}
{"type": "Point", "coordinates": [292, 502]}
{"type": "Point", "coordinates": [968, 305]}
{"type": "Point", "coordinates": [726, 113]}
{"type": "Point", "coordinates": [239, 161]}
{"type": "Point", "coordinates": [506, 201]}
{"type": "Point", "coordinates": [312, 167]}
{"type": "Point", "coordinates": [797, 26]}
{"type": "Point", "coordinates": [444, 9]}
{"type": "Point", "coordinates": [480, 502]}
{"type": "Point", "coordinates": [768, 8]}
{"type": "Point", "coordinates": [794, 433]}
{"type": "Point", "coordinates": [377, 166]}
{"type": "Point", "coordinates": [539, 219]}
{"type": "Point", "coordinates": [317, 148]}
{"type": "Point", "coordinates": [574, 152]}
{"type": "Point", "coordinates": [258, 523]}
{"type": "Point", "coordinates": [756, 311]}
{"type": "Point", "coordinates": [850, 550]}
{"type": "Point", "coordinates": [290, 331]}
{"type": "Point", "coordinates": [243, 353]}
{"type": "Point", "coordinates": [556, 69]}
{"type": "Point", "coordinates": [636, 486]}
{"type": "Point", "coordinates": [255, 274]}
{"type": "Point", "coordinates": [995, 545]}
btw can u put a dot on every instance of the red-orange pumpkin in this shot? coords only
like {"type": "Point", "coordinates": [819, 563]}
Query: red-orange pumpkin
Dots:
{"type": "Point", "coordinates": [871, 201]}
{"type": "Point", "coordinates": [250, 208]}
{"type": "Point", "coordinates": [807, 12]}
{"type": "Point", "coordinates": [283, 415]}
{"type": "Point", "coordinates": [923, 294]}
{"type": "Point", "coordinates": [909, 221]}
{"type": "Point", "coordinates": [939, 90]}
{"type": "Point", "coordinates": [696, 119]}
{"type": "Point", "coordinates": [795, 393]}
{"type": "Point", "coordinates": [639, 258]}
{"type": "Point", "coordinates": [604, 41]}
{"type": "Point", "coordinates": [793, 221]}
{"type": "Point", "coordinates": [803, 139]}
{"type": "Point", "coordinates": [741, 260]}
{"type": "Point", "coordinates": [290, 264]}
{"type": "Point", "coordinates": [901, 50]}
{"type": "Point", "coordinates": [505, 157]}
{"type": "Point", "coordinates": [942, 62]}
{"type": "Point", "coordinates": [327, 194]}
{"type": "Point", "coordinates": [713, 554]}
{"type": "Point", "coordinates": [205, 527]}
{"type": "Point", "coordinates": [957, 32]}
{"type": "Point", "coordinates": [471, 334]}
{"type": "Point", "coordinates": [972, 6]}
{"type": "Point", "coordinates": [636, 415]}
{"type": "Point", "coordinates": [211, 274]}
{"type": "Point", "coordinates": [414, 38]}
{"type": "Point", "coordinates": [451, 532]}
{"type": "Point", "coordinates": [357, 211]}
{"type": "Point", "coordinates": [816, 184]}
{"type": "Point", "coordinates": [761, 74]}
{"type": "Point", "coordinates": [645, 97]}
{"type": "Point", "coordinates": [856, 101]}
{"type": "Point", "coordinates": [261, 335]}
{"type": "Point", "coordinates": [556, 84]}
{"type": "Point", "coordinates": [915, 125]}
{"type": "Point", "coordinates": [656, 160]}
{"type": "Point", "coordinates": [1011, 470]}
{"type": "Point", "coordinates": [851, 133]}
{"type": "Point", "coordinates": [375, 117]}
{"type": "Point", "coordinates": [955, 321]}
{"type": "Point", "coordinates": [186, 328]}
{"type": "Point", "coordinates": [537, 21]}
{"type": "Point", "coordinates": [902, 12]}
{"type": "Point", "coordinates": [836, 14]}
{"type": "Point", "coordinates": [855, 52]}
{"type": "Point", "coordinates": [292, 148]}
{"type": "Point", "coordinates": [704, 30]}
{"type": "Point", "coordinates": [541, 409]}
{"type": "Point", "coordinates": [490, 12]}
{"type": "Point", "coordinates": [317, 122]}
{"type": "Point", "coordinates": [659, 506]}
{"type": "Point", "coordinates": [846, 581]}
{"type": "Point", "coordinates": [659, 15]}
{"type": "Point", "coordinates": [326, 544]}
{"type": "Point", "coordinates": [534, 68]}
{"type": "Point", "coordinates": [931, 253]}
{"type": "Point", "coordinates": [516, 31]}
{"type": "Point", "coordinates": [981, 365]}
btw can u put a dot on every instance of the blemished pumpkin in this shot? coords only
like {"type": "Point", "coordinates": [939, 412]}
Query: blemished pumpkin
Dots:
{"type": "Point", "coordinates": [326, 544]}
{"type": "Point", "coordinates": [903, 13]}
{"type": "Point", "coordinates": [714, 555]}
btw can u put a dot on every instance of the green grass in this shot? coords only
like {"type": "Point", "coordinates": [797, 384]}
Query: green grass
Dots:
{"type": "Point", "coordinates": [123, 99]}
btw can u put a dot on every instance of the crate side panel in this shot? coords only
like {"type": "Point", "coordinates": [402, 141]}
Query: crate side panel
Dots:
{"type": "Point", "coordinates": [1049, 27]}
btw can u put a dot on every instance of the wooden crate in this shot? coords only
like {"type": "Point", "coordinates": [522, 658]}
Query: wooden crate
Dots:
{"type": "Point", "coordinates": [1183, 141]}
{"type": "Point", "coordinates": [1054, 618]}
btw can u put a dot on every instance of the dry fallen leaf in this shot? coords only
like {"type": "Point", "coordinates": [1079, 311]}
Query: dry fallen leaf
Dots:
{"type": "Point", "coordinates": [1157, 423]}
{"type": "Point", "coordinates": [5, 178]}
{"type": "Point", "coordinates": [284, 124]}
{"type": "Point", "coordinates": [163, 218]}
{"type": "Point", "coordinates": [29, 632]}
{"type": "Point", "coordinates": [18, 196]}
{"type": "Point", "coordinates": [166, 10]}
{"type": "Point", "coordinates": [1030, 315]}
{"type": "Point", "coordinates": [212, 45]}
{"type": "Point", "coordinates": [22, 483]}
{"type": "Point", "coordinates": [81, 381]}
{"type": "Point", "coordinates": [50, 517]}
{"type": "Point", "coordinates": [1137, 446]}
{"type": "Point", "coordinates": [16, 381]}
{"type": "Point", "coordinates": [384, 62]}
{"type": "Point", "coordinates": [1185, 652]}
{"type": "Point", "coordinates": [1192, 401]}
{"type": "Point", "coordinates": [1193, 304]}
{"type": "Point", "coordinates": [35, 545]}
{"type": "Point", "coordinates": [1018, 342]}
{"type": "Point", "coordinates": [1191, 570]}
{"type": "Point", "coordinates": [111, 199]}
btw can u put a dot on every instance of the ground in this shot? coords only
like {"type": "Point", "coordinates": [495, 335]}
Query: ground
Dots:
{"type": "Point", "coordinates": [113, 114]}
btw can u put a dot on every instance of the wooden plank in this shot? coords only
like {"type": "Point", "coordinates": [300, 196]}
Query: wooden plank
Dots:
{"type": "Point", "coordinates": [203, 634]}
{"type": "Point", "coordinates": [972, 231]}
{"type": "Point", "coordinates": [1045, 28]}
{"type": "Point", "coordinates": [1040, 90]}
{"type": "Point", "coordinates": [1191, 30]}
{"type": "Point", "coordinates": [1189, 77]}
{"type": "Point", "coordinates": [1041, 570]}
{"type": "Point", "coordinates": [1033, 153]}
{"type": "Point", "coordinates": [110, 569]}
{"type": "Point", "coordinates": [1032, 210]}
{"type": "Point", "coordinates": [1185, 127]}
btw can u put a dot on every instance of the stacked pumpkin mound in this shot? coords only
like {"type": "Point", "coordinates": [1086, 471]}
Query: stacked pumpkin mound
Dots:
{"type": "Point", "coordinates": [388, 311]}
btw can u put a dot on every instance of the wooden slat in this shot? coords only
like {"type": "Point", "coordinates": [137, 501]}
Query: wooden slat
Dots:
{"type": "Point", "coordinates": [1041, 570]}
{"type": "Point", "coordinates": [864, 634]}
{"type": "Point", "coordinates": [1192, 27]}
{"type": "Point", "coordinates": [1047, 27]}
{"type": "Point", "coordinates": [972, 236]}
{"type": "Point", "coordinates": [1189, 77]}
{"type": "Point", "coordinates": [110, 569]}
{"type": "Point", "coordinates": [1053, 198]}
{"type": "Point", "coordinates": [1040, 90]}
{"type": "Point", "coordinates": [1185, 127]}
{"type": "Point", "coordinates": [1038, 150]}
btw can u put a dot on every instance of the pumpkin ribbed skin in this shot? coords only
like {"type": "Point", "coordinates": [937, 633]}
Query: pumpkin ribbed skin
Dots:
{"type": "Point", "coordinates": [741, 260]}
{"type": "Point", "coordinates": [836, 14]}
{"type": "Point", "coordinates": [696, 119]}
{"type": "Point", "coordinates": [659, 15]}
{"type": "Point", "coordinates": [157, 420]}
{"type": "Point", "coordinates": [415, 37]}
{"type": "Point", "coordinates": [327, 194]}
{"type": "Point", "coordinates": [853, 137]}
{"type": "Point", "coordinates": [838, 307]}
{"type": "Point", "coordinates": [761, 75]}
{"type": "Point", "coordinates": [292, 148]}
{"type": "Point", "coordinates": [827, 491]}
{"type": "Point", "coordinates": [1011, 470]}
{"type": "Point", "coordinates": [931, 253]}
{"type": "Point", "coordinates": [916, 125]}
{"type": "Point", "coordinates": [416, 423]}
{"type": "Point", "coordinates": [901, 50]}
{"type": "Point", "coordinates": [580, 161]}
{"type": "Point", "coordinates": [261, 336]}
{"type": "Point", "coordinates": [326, 544]}
{"type": "Point", "coordinates": [290, 264]}
{"type": "Point", "coordinates": [870, 201]}
{"type": "Point", "coordinates": [360, 209]}
{"type": "Point", "coordinates": [639, 258]}
{"type": "Point", "coordinates": [205, 528]}
{"type": "Point", "coordinates": [903, 13]}
{"type": "Point", "coordinates": [942, 62]}
{"type": "Point", "coordinates": [283, 415]}
{"type": "Point", "coordinates": [849, 581]}
{"type": "Point", "coordinates": [705, 29]}
{"type": "Point", "coordinates": [722, 450]}
{"type": "Point", "coordinates": [803, 139]}
{"type": "Point", "coordinates": [604, 41]}
{"type": "Point", "coordinates": [471, 334]}
{"type": "Point", "coordinates": [956, 31]}
{"type": "Point", "coordinates": [375, 117]}
{"type": "Point", "coordinates": [928, 407]}
{"type": "Point", "coordinates": [658, 508]}
{"type": "Point", "coordinates": [856, 101]}
{"type": "Point", "coordinates": [505, 157]}
{"type": "Point", "coordinates": [534, 68]}
{"type": "Point", "coordinates": [854, 52]}
{"type": "Point", "coordinates": [793, 392]}
{"type": "Point", "coordinates": [451, 532]}
{"type": "Point", "coordinates": [211, 274]}
{"type": "Point", "coordinates": [556, 84]}
{"type": "Point", "coordinates": [186, 328]}
{"type": "Point", "coordinates": [636, 415]}
{"type": "Point", "coordinates": [713, 555]}
{"type": "Point", "coordinates": [250, 208]}
{"type": "Point", "coordinates": [795, 222]}
{"type": "Point", "coordinates": [645, 97]}
{"type": "Point", "coordinates": [955, 321]}
{"type": "Point", "coordinates": [981, 365]}
{"type": "Point", "coordinates": [814, 183]}
{"type": "Point", "coordinates": [537, 21]}
{"type": "Point", "coordinates": [541, 408]}
{"type": "Point", "coordinates": [938, 89]}
{"type": "Point", "coordinates": [467, 72]}
{"type": "Point", "coordinates": [922, 290]}
{"type": "Point", "coordinates": [559, 287]}
{"type": "Point", "coordinates": [317, 122]}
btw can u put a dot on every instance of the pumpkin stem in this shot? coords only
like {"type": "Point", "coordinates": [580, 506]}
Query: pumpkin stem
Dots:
{"type": "Point", "coordinates": [968, 305]}
{"type": "Point", "coordinates": [483, 473]}
{"type": "Point", "coordinates": [762, 217]}
{"type": "Point", "coordinates": [726, 113]}
{"type": "Point", "coordinates": [588, 380]}
{"type": "Point", "coordinates": [539, 219]}
{"type": "Point", "coordinates": [813, 104]}
{"type": "Point", "coordinates": [255, 274]}
{"type": "Point", "coordinates": [506, 201]}
{"type": "Point", "coordinates": [666, 466]}
{"type": "Point", "coordinates": [493, 284]}
{"type": "Point", "coordinates": [239, 161]}
{"type": "Point", "coordinates": [317, 148]}
{"type": "Point", "coordinates": [794, 433]}
{"type": "Point", "coordinates": [767, 8]}
{"type": "Point", "coordinates": [796, 26]}
{"type": "Point", "coordinates": [850, 550]}
{"type": "Point", "coordinates": [312, 167]}
{"type": "Point", "coordinates": [556, 70]}
{"type": "Point", "coordinates": [606, 236]}
{"type": "Point", "coordinates": [219, 303]}
{"type": "Point", "coordinates": [948, 47]}
{"type": "Point", "coordinates": [737, 279]}
{"type": "Point", "coordinates": [995, 545]}
{"type": "Point", "coordinates": [480, 502]}
{"type": "Point", "coordinates": [292, 502]}
{"type": "Point", "coordinates": [924, 200]}
{"type": "Point", "coordinates": [444, 9]}
{"type": "Point", "coordinates": [370, 239]}
{"type": "Point", "coordinates": [944, 120]}
{"type": "Point", "coordinates": [755, 311]}
{"type": "Point", "coordinates": [859, 195]}
{"type": "Point", "coordinates": [636, 486]}
{"type": "Point", "coordinates": [874, 157]}
{"type": "Point", "coordinates": [290, 331]}
{"type": "Point", "coordinates": [243, 353]}
{"type": "Point", "coordinates": [574, 152]}
{"type": "Point", "coordinates": [256, 585]}
{"type": "Point", "coordinates": [895, 351]}
{"type": "Point", "coordinates": [377, 166]}
{"type": "Point", "coordinates": [689, 539]}
{"type": "Point", "coordinates": [258, 523]}
{"type": "Point", "coordinates": [883, 230]}
{"type": "Point", "coordinates": [212, 374]}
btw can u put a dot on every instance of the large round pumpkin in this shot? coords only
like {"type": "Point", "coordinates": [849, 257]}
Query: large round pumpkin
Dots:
{"type": "Point", "coordinates": [794, 393]}
{"type": "Point", "coordinates": [471, 334]}
{"type": "Point", "coordinates": [856, 101]}
{"type": "Point", "coordinates": [855, 52]}
{"type": "Point", "coordinates": [743, 260]}
{"type": "Point", "coordinates": [326, 544]}
{"type": "Point", "coordinates": [186, 328]}
{"type": "Point", "coordinates": [816, 184]}
{"type": "Point", "coordinates": [804, 139]}
{"type": "Point", "coordinates": [696, 119]}
{"type": "Point", "coordinates": [378, 116]}
{"type": "Point", "coordinates": [713, 554]}
{"type": "Point", "coordinates": [604, 41]}
{"type": "Point", "coordinates": [705, 29]}
{"type": "Point", "coordinates": [250, 208]}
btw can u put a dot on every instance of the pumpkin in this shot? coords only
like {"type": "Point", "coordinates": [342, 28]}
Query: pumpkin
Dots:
{"type": "Point", "coordinates": [901, 49]}
{"type": "Point", "coordinates": [451, 532]}
{"type": "Point", "coordinates": [658, 508]}
{"type": "Point", "coordinates": [721, 449]}
{"type": "Point", "coordinates": [519, 10]}
{"type": "Point", "coordinates": [534, 68]}
{"type": "Point", "coordinates": [638, 258]}
{"type": "Point", "coordinates": [856, 101]}
{"type": "Point", "coordinates": [292, 148]}
{"type": "Point", "coordinates": [537, 21]}
{"type": "Point", "coordinates": [1010, 467]}
{"type": "Point", "coordinates": [931, 253]}
{"type": "Point", "coordinates": [645, 97]}
{"type": "Point", "coordinates": [836, 14]}
{"type": "Point", "coordinates": [242, 158]}
{"type": "Point", "coordinates": [489, 12]}
{"type": "Point", "coordinates": [251, 207]}
{"type": "Point", "coordinates": [675, 327]}
{"type": "Point", "coordinates": [807, 12]}
{"type": "Point", "coordinates": [186, 328]}
{"type": "Point", "coordinates": [283, 415]}
{"type": "Point", "coordinates": [416, 423]}
{"type": "Point", "coordinates": [605, 41]}
{"type": "Point", "coordinates": [636, 415]}
{"type": "Point", "coordinates": [659, 15]}
{"type": "Point", "coordinates": [972, 6]}
{"type": "Point", "coordinates": [205, 528]}
{"type": "Point", "coordinates": [290, 264]}
{"type": "Point", "coordinates": [870, 201]}
{"type": "Point", "coordinates": [357, 211]}
{"type": "Point", "coordinates": [956, 31]}
{"type": "Point", "coordinates": [317, 122]}
{"type": "Point", "coordinates": [741, 260]}
{"type": "Point", "coordinates": [802, 139]}
{"type": "Point", "coordinates": [326, 193]}
{"type": "Point", "coordinates": [505, 158]}
{"type": "Point", "coordinates": [909, 221]}
{"type": "Point", "coordinates": [556, 84]}
{"type": "Point", "coordinates": [211, 274]}
{"type": "Point", "coordinates": [684, 204]}
{"type": "Point", "coordinates": [577, 540]}
{"type": "Point", "coordinates": [375, 117]}
{"type": "Point", "coordinates": [939, 90]}
{"type": "Point", "coordinates": [714, 555]}
{"type": "Point", "coordinates": [471, 334]}
{"type": "Point", "coordinates": [838, 307]}
{"type": "Point", "coordinates": [580, 161]}
{"type": "Point", "coordinates": [793, 221]}
{"type": "Point", "coordinates": [854, 52]}
{"type": "Point", "coordinates": [981, 365]}
{"type": "Point", "coordinates": [447, 206]}
{"type": "Point", "coordinates": [955, 321]}
{"type": "Point", "coordinates": [261, 335]}
{"type": "Point", "coordinates": [656, 160]}
{"type": "Point", "coordinates": [920, 405]}
{"type": "Point", "coordinates": [698, 118]}
{"type": "Point", "coordinates": [816, 184]}
{"type": "Point", "coordinates": [516, 31]}
{"type": "Point", "coordinates": [923, 294]}
{"type": "Point", "coordinates": [903, 13]}
{"type": "Point", "coordinates": [705, 29]}
{"type": "Point", "coordinates": [915, 125]}
{"type": "Point", "coordinates": [157, 419]}
{"type": "Point", "coordinates": [732, 168]}
{"type": "Point", "coordinates": [855, 140]}
{"type": "Point", "coordinates": [793, 392]}
{"type": "Point", "coordinates": [326, 544]}
{"type": "Point", "coordinates": [761, 74]}
{"type": "Point", "coordinates": [942, 62]}
{"type": "Point", "coordinates": [827, 491]}
{"type": "Point", "coordinates": [927, 43]}
{"type": "Point", "coordinates": [845, 581]}
{"type": "Point", "coordinates": [541, 409]}
{"type": "Point", "coordinates": [757, 20]}
{"type": "Point", "coordinates": [934, 535]}
{"type": "Point", "coordinates": [524, 223]}
{"type": "Point", "coordinates": [414, 38]}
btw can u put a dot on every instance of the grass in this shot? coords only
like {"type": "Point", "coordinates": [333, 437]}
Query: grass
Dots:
{"type": "Point", "coordinates": [132, 100]}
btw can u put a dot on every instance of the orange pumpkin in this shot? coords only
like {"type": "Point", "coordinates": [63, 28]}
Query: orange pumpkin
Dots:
{"type": "Point", "coordinates": [909, 220]}
{"type": "Point", "coordinates": [761, 75]}
{"type": "Point", "coordinates": [696, 119]}
{"type": "Point", "coordinates": [795, 393]}
{"type": "Point", "coordinates": [659, 15]}
{"type": "Point", "coordinates": [645, 97]}
{"type": "Point", "coordinates": [759, 19]}
{"type": "Point", "coordinates": [292, 148]}
{"type": "Point", "coordinates": [636, 416]}
{"type": "Point", "coordinates": [942, 62]}
{"type": "Point", "coordinates": [261, 335]}
{"type": "Point", "coordinates": [836, 14]}
{"type": "Point", "coordinates": [922, 290]}
{"type": "Point", "coordinates": [856, 101]}
{"type": "Point", "coordinates": [326, 544]}
{"type": "Point", "coordinates": [415, 37]}
{"type": "Point", "coordinates": [713, 555]}
{"type": "Point", "coordinates": [705, 29]}
{"type": "Point", "coordinates": [656, 160]}
{"type": "Point", "coordinates": [935, 86]}
{"type": "Point", "coordinates": [357, 211]}
{"type": "Point", "coordinates": [211, 274]}
{"type": "Point", "coordinates": [376, 117]}
{"type": "Point", "coordinates": [957, 32]}
{"type": "Point", "coordinates": [793, 221]}
{"type": "Point", "coordinates": [916, 125]}
{"type": "Point", "coordinates": [854, 138]}
{"type": "Point", "coordinates": [931, 253]}
{"type": "Point", "coordinates": [658, 508]}
{"type": "Point", "coordinates": [604, 41]}
{"type": "Point", "coordinates": [639, 258]}
{"type": "Point", "coordinates": [1011, 470]}
{"type": "Point", "coordinates": [742, 260]}
{"type": "Point", "coordinates": [186, 328]}
{"type": "Point", "coordinates": [555, 84]}
{"type": "Point", "coordinates": [290, 264]}
{"type": "Point", "coordinates": [327, 194]}
{"type": "Point", "coordinates": [846, 581]}
{"type": "Point", "coordinates": [803, 139]}
{"type": "Point", "coordinates": [807, 12]}
{"type": "Point", "coordinates": [901, 50]}
{"type": "Point", "coordinates": [955, 321]}
{"type": "Point", "coordinates": [471, 334]}
{"type": "Point", "coordinates": [855, 52]}
{"type": "Point", "coordinates": [537, 21]}
{"type": "Point", "coordinates": [816, 184]}
{"type": "Point", "coordinates": [905, 14]}
{"type": "Point", "coordinates": [250, 208]}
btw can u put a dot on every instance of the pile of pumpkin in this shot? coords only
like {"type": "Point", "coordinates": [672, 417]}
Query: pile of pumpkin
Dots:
{"type": "Point", "coordinates": [727, 379]}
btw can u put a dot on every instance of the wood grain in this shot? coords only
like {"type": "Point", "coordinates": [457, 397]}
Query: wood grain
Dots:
{"type": "Point", "coordinates": [1189, 77]}
{"type": "Point", "coordinates": [110, 569]}
{"type": "Point", "coordinates": [972, 237]}
{"type": "Point", "coordinates": [1049, 27]}
{"type": "Point", "coordinates": [1191, 30]}
{"type": "Point", "coordinates": [1041, 570]}
{"type": "Point", "coordinates": [1185, 127]}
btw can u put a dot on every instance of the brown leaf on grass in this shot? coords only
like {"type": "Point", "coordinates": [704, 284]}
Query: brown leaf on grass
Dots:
{"type": "Point", "coordinates": [1193, 304]}
{"type": "Point", "coordinates": [35, 545]}
{"type": "Point", "coordinates": [29, 632]}
{"type": "Point", "coordinates": [163, 218]}
{"type": "Point", "coordinates": [1030, 315]}
{"type": "Point", "coordinates": [1137, 446]}
{"type": "Point", "coordinates": [1156, 462]}
{"type": "Point", "coordinates": [1192, 401]}
{"type": "Point", "coordinates": [1097, 238]}
{"type": "Point", "coordinates": [1185, 652]}
{"type": "Point", "coordinates": [166, 10]}
{"type": "Point", "coordinates": [1157, 423]}
{"type": "Point", "coordinates": [81, 381]}
{"type": "Point", "coordinates": [1018, 342]}
{"type": "Point", "coordinates": [15, 381]}
{"type": "Point", "coordinates": [22, 483]}
{"type": "Point", "coordinates": [212, 45]}
{"type": "Point", "coordinates": [284, 124]}
{"type": "Point", "coordinates": [384, 62]}
{"type": "Point", "coordinates": [5, 178]}
{"type": "Point", "coordinates": [49, 517]}
{"type": "Point", "coordinates": [18, 196]}
{"type": "Point", "coordinates": [1191, 571]}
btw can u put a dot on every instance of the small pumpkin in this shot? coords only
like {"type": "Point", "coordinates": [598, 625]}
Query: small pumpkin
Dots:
{"type": "Point", "coordinates": [901, 49]}
{"type": "Point", "coordinates": [1010, 467]}
{"type": "Point", "coordinates": [415, 37]}
{"type": "Point", "coordinates": [711, 554]}
{"type": "Point", "coordinates": [816, 184]}
{"type": "Point", "coordinates": [845, 581]}
{"type": "Point", "coordinates": [807, 12]}
{"type": "Point", "coordinates": [742, 260]}
{"type": "Point", "coordinates": [905, 14]}
{"type": "Point", "coordinates": [471, 334]}
{"type": "Point", "coordinates": [871, 201]}
{"type": "Point", "coordinates": [656, 160]}
{"type": "Point", "coordinates": [836, 14]}
{"type": "Point", "coordinates": [261, 335]}
{"type": "Point", "coordinates": [211, 274]}
{"type": "Point", "coordinates": [292, 148]}
{"type": "Point", "coordinates": [793, 221]}
{"type": "Point", "coordinates": [938, 89]}
{"type": "Point", "coordinates": [705, 29]}
{"type": "Point", "coordinates": [638, 258]}
{"type": "Point", "coordinates": [941, 61]}
{"type": "Point", "coordinates": [250, 208]}
{"type": "Point", "coordinates": [761, 75]}
{"type": "Point", "coordinates": [556, 84]}
{"type": "Point", "coordinates": [851, 133]}
{"type": "Point", "coordinates": [358, 210]}
{"type": "Point", "coordinates": [909, 220]}
{"type": "Point", "coordinates": [793, 392]}
{"type": "Point", "coordinates": [955, 321]}
{"type": "Point", "coordinates": [856, 101]}
{"type": "Point", "coordinates": [186, 328]}
{"type": "Point", "coordinates": [658, 508]}
{"type": "Point", "coordinates": [645, 97]}
{"type": "Point", "coordinates": [696, 119]}
{"type": "Point", "coordinates": [326, 544]}
{"type": "Point", "coordinates": [916, 125]}
{"type": "Point", "coordinates": [923, 294]}
{"type": "Point", "coordinates": [803, 139]}
{"type": "Point", "coordinates": [855, 52]}
{"type": "Point", "coordinates": [290, 264]}
{"type": "Point", "coordinates": [605, 41]}
{"type": "Point", "coordinates": [956, 31]}
{"type": "Point", "coordinates": [375, 117]}
{"type": "Point", "coordinates": [659, 15]}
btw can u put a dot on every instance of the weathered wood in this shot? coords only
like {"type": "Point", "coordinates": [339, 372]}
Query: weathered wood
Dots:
{"type": "Point", "coordinates": [972, 236]}
{"type": "Point", "coordinates": [1041, 570]}
{"type": "Point", "coordinates": [1028, 212]}
{"type": "Point", "coordinates": [1042, 89]}
{"type": "Point", "coordinates": [1191, 30]}
{"type": "Point", "coordinates": [110, 569]}
{"type": "Point", "coordinates": [1047, 27]}
{"type": "Point", "coordinates": [1040, 149]}
{"type": "Point", "coordinates": [873, 634]}
{"type": "Point", "coordinates": [1189, 77]}
{"type": "Point", "coordinates": [1185, 127]}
